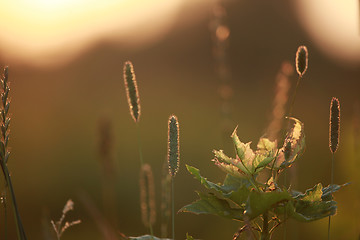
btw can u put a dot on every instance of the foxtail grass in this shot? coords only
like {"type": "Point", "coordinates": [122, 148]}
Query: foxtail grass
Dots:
{"type": "Point", "coordinates": [147, 197]}
{"type": "Point", "coordinates": [4, 150]}
{"type": "Point", "coordinates": [301, 63]}
{"type": "Point", "coordinates": [133, 98]}
{"type": "Point", "coordinates": [334, 136]}
{"type": "Point", "coordinates": [132, 92]}
{"type": "Point", "coordinates": [173, 160]}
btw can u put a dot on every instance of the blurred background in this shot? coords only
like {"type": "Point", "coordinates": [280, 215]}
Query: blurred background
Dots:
{"type": "Point", "coordinates": [215, 64]}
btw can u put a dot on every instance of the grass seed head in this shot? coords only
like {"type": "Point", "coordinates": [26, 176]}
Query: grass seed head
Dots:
{"type": "Point", "coordinates": [301, 60]}
{"type": "Point", "coordinates": [147, 196]}
{"type": "Point", "coordinates": [334, 129]}
{"type": "Point", "coordinates": [132, 90]}
{"type": "Point", "coordinates": [173, 145]}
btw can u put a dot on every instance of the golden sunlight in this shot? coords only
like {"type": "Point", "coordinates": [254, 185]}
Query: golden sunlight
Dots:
{"type": "Point", "coordinates": [333, 26]}
{"type": "Point", "coordinates": [48, 32]}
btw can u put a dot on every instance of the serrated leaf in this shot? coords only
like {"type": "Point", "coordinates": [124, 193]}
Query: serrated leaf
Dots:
{"type": "Point", "coordinates": [313, 194]}
{"type": "Point", "coordinates": [221, 157]}
{"type": "Point", "coordinates": [316, 203]}
{"type": "Point", "coordinates": [329, 190]}
{"type": "Point", "coordinates": [230, 169]}
{"type": "Point", "coordinates": [260, 202]}
{"type": "Point", "coordinates": [243, 151]}
{"type": "Point", "coordinates": [235, 189]}
{"type": "Point", "coordinates": [266, 145]}
{"type": "Point", "coordinates": [294, 145]}
{"type": "Point", "coordinates": [211, 204]}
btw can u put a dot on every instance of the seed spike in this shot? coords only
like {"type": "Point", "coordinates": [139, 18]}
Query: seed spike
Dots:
{"type": "Point", "coordinates": [301, 60]}
{"type": "Point", "coordinates": [132, 91]}
{"type": "Point", "coordinates": [334, 130]}
{"type": "Point", "coordinates": [173, 145]}
{"type": "Point", "coordinates": [147, 196]}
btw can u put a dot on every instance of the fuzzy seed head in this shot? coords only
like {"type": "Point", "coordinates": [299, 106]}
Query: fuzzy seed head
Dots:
{"type": "Point", "coordinates": [147, 196]}
{"type": "Point", "coordinates": [173, 145]}
{"type": "Point", "coordinates": [132, 90]}
{"type": "Point", "coordinates": [334, 129]}
{"type": "Point", "coordinates": [301, 60]}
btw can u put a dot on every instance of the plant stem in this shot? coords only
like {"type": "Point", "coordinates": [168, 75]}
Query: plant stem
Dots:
{"type": "Point", "coordinates": [265, 230]}
{"type": "Point", "coordinates": [172, 208]}
{"type": "Point", "coordinates": [19, 227]}
{"type": "Point", "coordinates": [139, 143]}
{"type": "Point", "coordinates": [332, 182]}
{"type": "Point", "coordinates": [294, 96]}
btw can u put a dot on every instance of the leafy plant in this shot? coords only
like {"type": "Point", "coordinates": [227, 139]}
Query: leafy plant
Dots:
{"type": "Point", "coordinates": [261, 206]}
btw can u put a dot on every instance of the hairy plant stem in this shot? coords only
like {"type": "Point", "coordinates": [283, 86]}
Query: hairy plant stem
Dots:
{"type": "Point", "coordinates": [332, 182]}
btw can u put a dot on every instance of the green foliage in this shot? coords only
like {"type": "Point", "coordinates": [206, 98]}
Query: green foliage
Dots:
{"type": "Point", "coordinates": [242, 197]}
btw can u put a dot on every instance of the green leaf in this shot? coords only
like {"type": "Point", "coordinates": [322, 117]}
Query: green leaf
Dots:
{"type": "Point", "coordinates": [309, 211]}
{"type": "Point", "coordinates": [148, 237]}
{"type": "Point", "coordinates": [260, 202]}
{"type": "Point", "coordinates": [244, 152]}
{"type": "Point", "coordinates": [211, 204]}
{"type": "Point", "coordinates": [329, 190]}
{"type": "Point", "coordinates": [316, 203]}
{"type": "Point", "coordinates": [294, 145]}
{"type": "Point", "coordinates": [236, 164]}
{"type": "Point", "coordinates": [313, 194]}
{"type": "Point", "coordinates": [235, 189]}
{"type": "Point", "coordinates": [265, 145]}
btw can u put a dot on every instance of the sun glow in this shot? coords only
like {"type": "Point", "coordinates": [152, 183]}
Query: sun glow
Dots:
{"type": "Point", "coordinates": [334, 26]}
{"type": "Point", "coordinates": [52, 31]}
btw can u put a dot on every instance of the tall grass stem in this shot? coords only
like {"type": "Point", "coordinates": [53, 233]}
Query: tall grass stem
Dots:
{"type": "Point", "coordinates": [173, 208]}
{"type": "Point", "coordinates": [139, 144]}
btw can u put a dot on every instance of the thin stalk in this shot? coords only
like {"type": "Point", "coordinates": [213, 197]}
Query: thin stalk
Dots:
{"type": "Point", "coordinates": [173, 208]}
{"type": "Point", "coordinates": [294, 96]}
{"type": "Point", "coordinates": [19, 227]}
{"type": "Point", "coordinates": [139, 143]}
{"type": "Point", "coordinates": [285, 215]}
{"type": "Point", "coordinates": [5, 214]}
{"type": "Point", "coordinates": [332, 182]}
{"type": "Point", "coordinates": [265, 230]}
